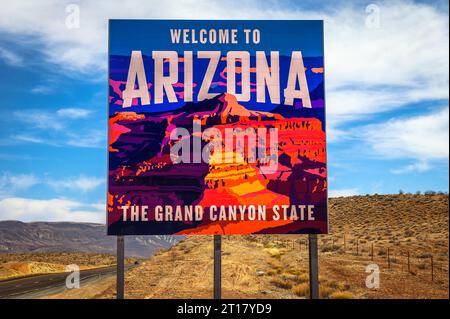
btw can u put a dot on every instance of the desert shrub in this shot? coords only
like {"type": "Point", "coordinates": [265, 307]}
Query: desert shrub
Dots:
{"type": "Point", "coordinates": [409, 233]}
{"type": "Point", "coordinates": [424, 255]}
{"type": "Point", "coordinates": [276, 268]}
{"type": "Point", "coordinates": [301, 290]}
{"type": "Point", "coordinates": [275, 252]}
{"type": "Point", "coordinates": [281, 283]}
{"type": "Point", "coordinates": [245, 282]}
{"type": "Point", "coordinates": [422, 266]}
{"type": "Point", "coordinates": [251, 238]}
{"type": "Point", "coordinates": [325, 291]}
{"type": "Point", "coordinates": [301, 278]}
{"type": "Point", "coordinates": [342, 295]}
{"type": "Point", "coordinates": [337, 285]}
{"type": "Point", "coordinates": [268, 244]}
{"type": "Point", "coordinates": [295, 271]}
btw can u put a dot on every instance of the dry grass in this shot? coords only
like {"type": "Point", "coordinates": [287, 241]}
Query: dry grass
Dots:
{"type": "Point", "coordinates": [281, 283]}
{"type": "Point", "coordinates": [301, 290]}
{"type": "Point", "coordinates": [341, 295]}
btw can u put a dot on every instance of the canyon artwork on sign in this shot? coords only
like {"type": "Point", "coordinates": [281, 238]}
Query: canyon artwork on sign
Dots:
{"type": "Point", "coordinates": [216, 127]}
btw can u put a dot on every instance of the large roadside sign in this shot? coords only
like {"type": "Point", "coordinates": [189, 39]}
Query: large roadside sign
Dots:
{"type": "Point", "coordinates": [216, 127]}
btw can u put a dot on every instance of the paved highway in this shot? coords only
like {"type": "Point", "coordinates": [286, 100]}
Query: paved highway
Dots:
{"type": "Point", "coordinates": [28, 287]}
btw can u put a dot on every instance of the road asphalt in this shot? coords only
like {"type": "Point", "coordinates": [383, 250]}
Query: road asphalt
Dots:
{"type": "Point", "coordinates": [38, 285]}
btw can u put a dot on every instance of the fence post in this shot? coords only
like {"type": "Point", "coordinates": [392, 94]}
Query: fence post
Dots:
{"type": "Point", "coordinates": [313, 267]}
{"type": "Point", "coordinates": [120, 274]}
{"type": "Point", "coordinates": [432, 269]}
{"type": "Point", "coordinates": [388, 258]}
{"type": "Point", "coordinates": [371, 252]}
{"type": "Point", "coordinates": [409, 265]}
{"type": "Point", "coordinates": [357, 247]}
{"type": "Point", "coordinates": [345, 244]}
{"type": "Point", "coordinates": [217, 266]}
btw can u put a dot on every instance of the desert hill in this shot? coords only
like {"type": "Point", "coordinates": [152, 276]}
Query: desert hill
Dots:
{"type": "Point", "coordinates": [16, 236]}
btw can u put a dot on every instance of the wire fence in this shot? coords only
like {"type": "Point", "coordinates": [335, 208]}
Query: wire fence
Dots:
{"type": "Point", "coordinates": [410, 260]}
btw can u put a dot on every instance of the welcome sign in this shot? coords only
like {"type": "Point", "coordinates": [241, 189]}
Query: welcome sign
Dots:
{"type": "Point", "coordinates": [216, 127]}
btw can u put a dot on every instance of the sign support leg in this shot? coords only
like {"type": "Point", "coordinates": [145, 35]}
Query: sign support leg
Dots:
{"type": "Point", "coordinates": [120, 281]}
{"type": "Point", "coordinates": [217, 266]}
{"type": "Point", "coordinates": [313, 267]}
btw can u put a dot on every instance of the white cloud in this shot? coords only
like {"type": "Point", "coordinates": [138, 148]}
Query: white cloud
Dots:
{"type": "Point", "coordinates": [23, 181]}
{"type": "Point", "coordinates": [343, 192]}
{"type": "Point", "coordinates": [28, 210]}
{"type": "Point", "coordinates": [350, 104]}
{"type": "Point", "coordinates": [81, 183]}
{"type": "Point", "coordinates": [73, 113]}
{"type": "Point", "coordinates": [60, 122]}
{"type": "Point", "coordinates": [51, 120]}
{"type": "Point", "coordinates": [90, 139]}
{"type": "Point", "coordinates": [10, 57]}
{"type": "Point", "coordinates": [373, 70]}
{"type": "Point", "coordinates": [423, 137]}
{"type": "Point", "coordinates": [12, 183]}
{"type": "Point", "coordinates": [42, 89]}
{"type": "Point", "coordinates": [17, 157]}
{"type": "Point", "coordinates": [39, 119]}
{"type": "Point", "coordinates": [418, 167]}
{"type": "Point", "coordinates": [17, 182]}
{"type": "Point", "coordinates": [29, 139]}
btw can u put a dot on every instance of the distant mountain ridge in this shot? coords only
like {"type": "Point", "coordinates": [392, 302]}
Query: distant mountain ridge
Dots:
{"type": "Point", "coordinates": [226, 107]}
{"type": "Point", "coordinates": [16, 236]}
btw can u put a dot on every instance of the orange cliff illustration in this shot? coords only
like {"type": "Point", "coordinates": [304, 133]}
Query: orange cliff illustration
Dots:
{"type": "Point", "coordinates": [115, 130]}
{"type": "Point", "coordinates": [140, 164]}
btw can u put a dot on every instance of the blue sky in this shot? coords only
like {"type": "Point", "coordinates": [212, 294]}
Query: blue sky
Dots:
{"type": "Point", "coordinates": [386, 89]}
